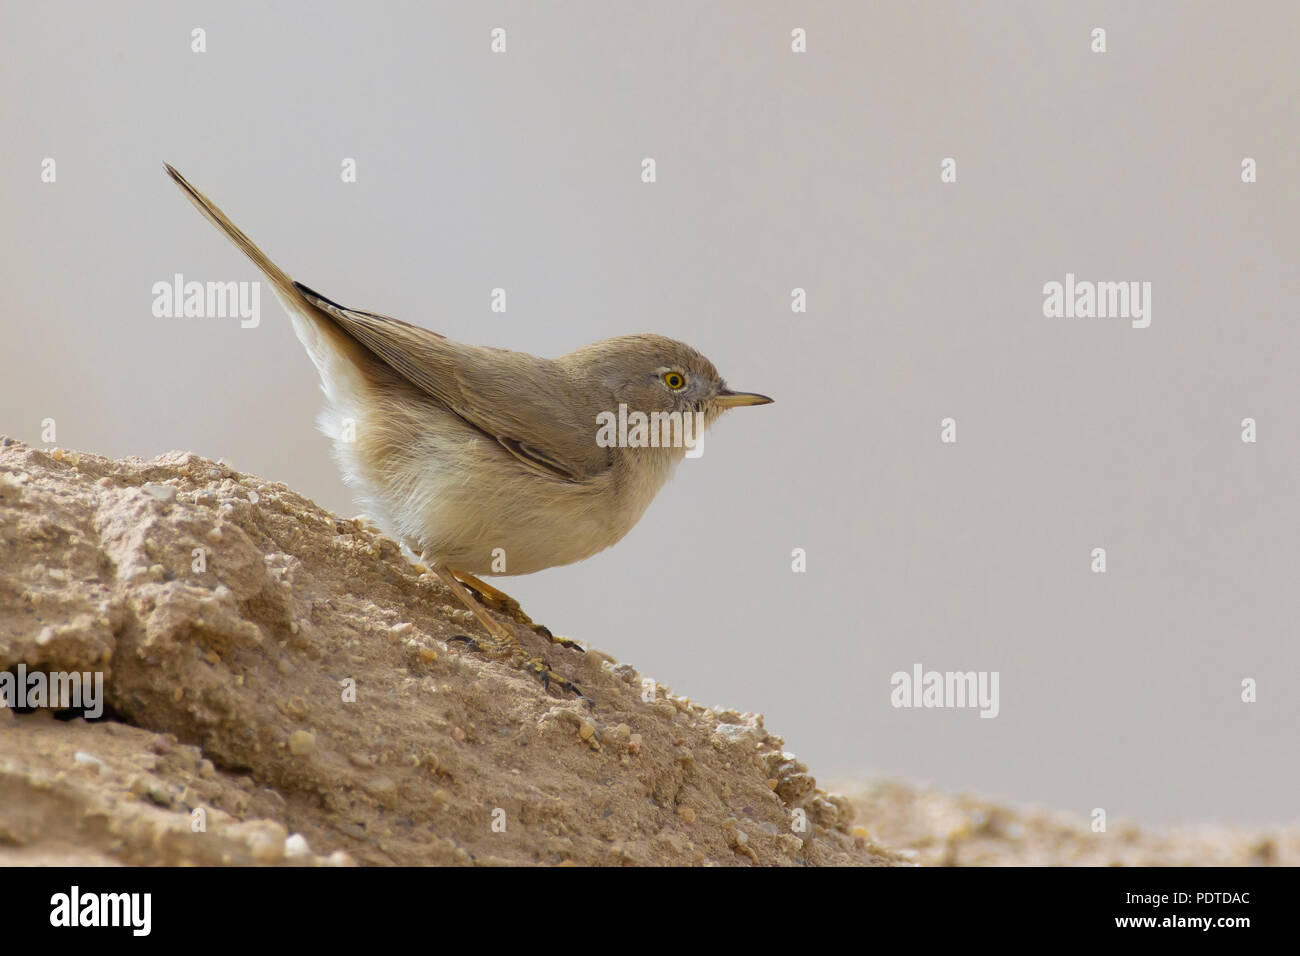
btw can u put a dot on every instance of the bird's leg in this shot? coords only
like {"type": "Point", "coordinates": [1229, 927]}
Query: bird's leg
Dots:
{"type": "Point", "coordinates": [493, 598]}
{"type": "Point", "coordinates": [500, 601]}
{"type": "Point", "coordinates": [501, 636]}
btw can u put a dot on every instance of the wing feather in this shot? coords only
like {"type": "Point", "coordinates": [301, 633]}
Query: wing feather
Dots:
{"type": "Point", "coordinates": [526, 404]}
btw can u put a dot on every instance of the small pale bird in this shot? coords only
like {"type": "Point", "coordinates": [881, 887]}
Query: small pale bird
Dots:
{"type": "Point", "coordinates": [472, 455]}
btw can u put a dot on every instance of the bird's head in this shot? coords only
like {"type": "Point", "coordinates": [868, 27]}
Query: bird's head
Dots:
{"type": "Point", "coordinates": [651, 373]}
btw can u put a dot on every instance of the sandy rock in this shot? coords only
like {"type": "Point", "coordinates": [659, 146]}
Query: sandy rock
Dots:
{"type": "Point", "coordinates": [936, 829]}
{"type": "Point", "coordinates": [282, 689]}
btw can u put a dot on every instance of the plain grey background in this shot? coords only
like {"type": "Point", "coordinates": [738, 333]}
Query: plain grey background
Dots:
{"type": "Point", "coordinates": [776, 170]}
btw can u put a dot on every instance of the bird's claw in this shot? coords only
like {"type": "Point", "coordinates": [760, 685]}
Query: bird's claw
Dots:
{"type": "Point", "coordinates": [572, 645]}
{"type": "Point", "coordinates": [538, 667]}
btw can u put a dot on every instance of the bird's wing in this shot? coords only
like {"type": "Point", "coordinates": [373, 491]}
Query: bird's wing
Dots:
{"type": "Point", "coordinates": [527, 405]}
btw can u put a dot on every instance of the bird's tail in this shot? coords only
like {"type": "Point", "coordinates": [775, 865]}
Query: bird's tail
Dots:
{"type": "Point", "coordinates": [344, 365]}
{"type": "Point", "coordinates": [279, 278]}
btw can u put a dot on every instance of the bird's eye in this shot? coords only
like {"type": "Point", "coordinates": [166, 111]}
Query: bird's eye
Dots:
{"type": "Point", "coordinates": [675, 380]}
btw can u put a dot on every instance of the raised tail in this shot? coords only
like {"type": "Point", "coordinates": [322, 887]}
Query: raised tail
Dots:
{"type": "Point", "coordinates": [337, 355]}
{"type": "Point", "coordinates": [279, 278]}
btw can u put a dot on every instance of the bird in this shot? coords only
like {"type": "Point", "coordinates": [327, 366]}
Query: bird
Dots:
{"type": "Point", "coordinates": [489, 461]}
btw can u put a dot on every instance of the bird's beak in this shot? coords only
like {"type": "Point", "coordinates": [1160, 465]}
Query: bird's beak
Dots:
{"type": "Point", "coordinates": [729, 399]}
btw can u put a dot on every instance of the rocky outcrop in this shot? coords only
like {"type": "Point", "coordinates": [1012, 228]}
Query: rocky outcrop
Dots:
{"type": "Point", "coordinates": [280, 687]}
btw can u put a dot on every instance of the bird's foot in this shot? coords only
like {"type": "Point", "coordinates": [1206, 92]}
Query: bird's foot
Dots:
{"type": "Point", "coordinates": [541, 669]}
{"type": "Point", "coordinates": [518, 656]}
{"type": "Point", "coordinates": [501, 641]}
{"type": "Point", "coordinates": [498, 600]}
{"type": "Point", "coordinates": [569, 643]}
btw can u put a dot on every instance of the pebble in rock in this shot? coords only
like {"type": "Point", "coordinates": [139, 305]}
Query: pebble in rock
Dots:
{"type": "Point", "coordinates": [161, 492]}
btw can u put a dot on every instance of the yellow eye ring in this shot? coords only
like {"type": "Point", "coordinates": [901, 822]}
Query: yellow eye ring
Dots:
{"type": "Point", "coordinates": [675, 380]}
